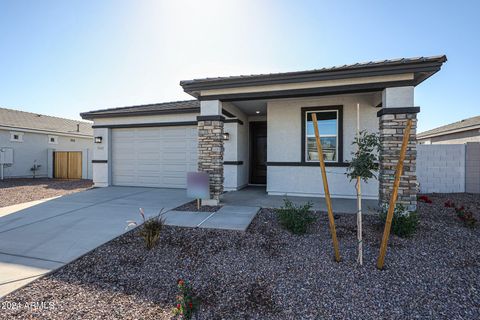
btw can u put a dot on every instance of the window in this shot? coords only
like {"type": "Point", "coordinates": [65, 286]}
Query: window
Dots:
{"type": "Point", "coordinates": [329, 121]}
{"type": "Point", "coordinates": [16, 136]}
{"type": "Point", "coordinates": [53, 139]}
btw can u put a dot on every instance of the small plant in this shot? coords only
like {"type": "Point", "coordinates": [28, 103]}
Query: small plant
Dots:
{"type": "Point", "coordinates": [404, 222]}
{"type": "Point", "coordinates": [151, 228]}
{"type": "Point", "coordinates": [187, 303]}
{"type": "Point", "coordinates": [449, 204]}
{"type": "Point", "coordinates": [425, 199]}
{"type": "Point", "coordinates": [365, 159]}
{"type": "Point", "coordinates": [35, 168]}
{"type": "Point", "coordinates": [295, 219]}
{"type": "Point", "coordinates": [466, 216]}
{"type": "Point", "coordinates": [362, 167]}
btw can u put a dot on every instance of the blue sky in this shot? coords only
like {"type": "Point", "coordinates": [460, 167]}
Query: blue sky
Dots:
{"type": "Point", "coordinates": [65, 57]}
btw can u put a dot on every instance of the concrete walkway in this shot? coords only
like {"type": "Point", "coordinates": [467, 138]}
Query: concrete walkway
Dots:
{"type": "Point", "coordinates": [44, 237]}
{"type": "Point", "coordinates": [257, 196]}
{"type": "Point", "coordinates": [227, 218]}
{"type": "Point", "coordinates": [38, 237]}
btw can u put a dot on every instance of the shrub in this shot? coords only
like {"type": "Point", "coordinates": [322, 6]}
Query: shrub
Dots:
{"type": "Point", "coordinates": [449, 204]}
{"type": "Point", "coordinates": [186, 302]}
{"type": "Point", "coordinates": [295, 219]}
{"type": "Point", "coordinates": [425, 199]}
{"type": "Point", "coordinates": [151, 228]}
{"type": "Point", "coordinates": [404, 222]}
{"type": "Point", "coordinates": [466, 216]}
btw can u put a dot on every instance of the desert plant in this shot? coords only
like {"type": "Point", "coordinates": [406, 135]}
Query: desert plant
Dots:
{"type": "Point", "coordinates": [151, 228]}
{"type": "Point", "coordinates": [35, 168]}
{"type": "Point", "coordinates": [466, 216]}
{"type": "Point", "coordinates": [404, 222]}
{"type": "Point", "coordinates": [425, 199]}
{"type": "Point", "coordinates": [295, 219]}
{"type": "Point", "coordinates": [363, 165]}
{"type": "Point", "coordinates": [187, 303]}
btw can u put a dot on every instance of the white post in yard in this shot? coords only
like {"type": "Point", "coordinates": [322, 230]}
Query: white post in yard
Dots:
{"type": "Point", "coordinates": [359, 202]}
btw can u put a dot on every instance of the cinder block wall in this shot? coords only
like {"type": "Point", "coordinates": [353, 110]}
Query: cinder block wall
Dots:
{"type": "Point", "coordinates": [472, 178]}
{"type": "Point", "coordinates": [441, 168]}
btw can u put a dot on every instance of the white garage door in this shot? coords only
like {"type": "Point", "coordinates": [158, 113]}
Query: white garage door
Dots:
{"type": "Point", "coordinates": [153, 157]}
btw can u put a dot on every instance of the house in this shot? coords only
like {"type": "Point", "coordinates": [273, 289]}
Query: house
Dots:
{"type": "Point", "coordinates": [257, 129]}
{"type": "Point", "coordinates": [467, 130]}
{"type": "Point", "coordinates": [56, 147]}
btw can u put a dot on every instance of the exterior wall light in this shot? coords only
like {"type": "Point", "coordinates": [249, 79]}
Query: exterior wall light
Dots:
{"type": "Point", "coordinates": [226, 136]}
{"type": "Point", "coordinates": [98, 140]}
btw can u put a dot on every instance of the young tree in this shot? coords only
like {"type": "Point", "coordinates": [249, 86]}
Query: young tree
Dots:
{"type": "Point", "coordinates": [363, 166]}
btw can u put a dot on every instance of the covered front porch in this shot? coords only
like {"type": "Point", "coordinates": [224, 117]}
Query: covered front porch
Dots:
{"type": "Point", "coordinates": [257, 129]}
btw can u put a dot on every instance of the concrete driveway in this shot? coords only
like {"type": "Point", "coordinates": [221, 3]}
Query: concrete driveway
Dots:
{"type": "Point", "coordinates": [46, 236]}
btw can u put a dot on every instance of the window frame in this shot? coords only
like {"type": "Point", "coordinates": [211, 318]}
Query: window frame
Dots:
{"type": "Point", "coordinates": [339, 110]}
{"type": "Point", "coordinates": [55, 138]}
{"type": "Point", "coordinates": [16, 133]}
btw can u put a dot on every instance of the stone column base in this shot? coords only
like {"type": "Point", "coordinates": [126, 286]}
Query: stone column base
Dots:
{"type": "Point", "coordinates": [210, 152]}
{"type": "Point", "coordinates": [392, 124]}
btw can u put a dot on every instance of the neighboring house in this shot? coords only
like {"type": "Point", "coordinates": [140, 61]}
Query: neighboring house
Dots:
{"type": "Point", "coordinates": [257, 129]}
{"type": "Point", "coordinates": [464, 131]}
{"type": "Point", "coordinates": [449, 157]}
{"type": "Point", "coordinates": [59, 147]}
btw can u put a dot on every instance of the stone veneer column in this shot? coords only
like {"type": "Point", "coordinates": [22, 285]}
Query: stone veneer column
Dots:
{"type": "Point", "coordinates": [210, 152]}
{"type": "Point", "coordinates": [392, 124]}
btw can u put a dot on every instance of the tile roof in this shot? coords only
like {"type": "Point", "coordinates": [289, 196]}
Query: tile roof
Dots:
{"type": "Point", "coordinates": [185, 106]}
{"type": "Point", "coordinates": [360, 65]}
{"type": "Point", "coordinates": [27, 120]}
{"type": "Point", "coordinates": [463, 125]}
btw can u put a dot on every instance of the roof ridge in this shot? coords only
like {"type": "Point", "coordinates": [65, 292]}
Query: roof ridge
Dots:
{"type": "Point", "coordinates": [44, 115]}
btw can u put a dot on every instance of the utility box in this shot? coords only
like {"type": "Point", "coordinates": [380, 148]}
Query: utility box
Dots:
{"type": "Point", "coordinates": [6, 155]}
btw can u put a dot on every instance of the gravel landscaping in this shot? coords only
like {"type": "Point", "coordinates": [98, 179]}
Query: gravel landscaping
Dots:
{"type": "Point", "coordinates": [267, 273]}
{"type": "Point", "coordinates": [192, 207]}
{"type": "Point", "coordinates": [15, 191]}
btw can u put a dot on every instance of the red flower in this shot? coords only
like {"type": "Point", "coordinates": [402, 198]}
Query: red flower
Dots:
{"type": "Point", "coordinates": [180, 282]}
{"type": "Point", "coordinates": [190, 305]}
{"type": "Point", "coordinates": [179, 306]}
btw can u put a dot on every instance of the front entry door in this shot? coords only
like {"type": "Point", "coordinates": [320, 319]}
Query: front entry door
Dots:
{"type": "Point", "coordinates": [258, 152]}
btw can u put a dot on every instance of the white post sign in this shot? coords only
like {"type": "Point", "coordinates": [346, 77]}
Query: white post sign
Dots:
{"type": "Point", "coordinates": [198, 186]}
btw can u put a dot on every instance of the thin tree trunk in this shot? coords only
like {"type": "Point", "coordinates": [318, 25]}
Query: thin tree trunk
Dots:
{"type": "Point", "coordinates": [359, 221]}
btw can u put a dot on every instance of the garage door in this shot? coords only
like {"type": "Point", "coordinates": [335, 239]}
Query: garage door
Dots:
{"type": "Point", "coordinates": [153, 157]}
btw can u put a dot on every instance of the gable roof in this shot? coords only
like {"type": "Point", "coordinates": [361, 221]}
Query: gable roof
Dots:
{"type": "Point", "coordinates": [459, 126]}
{"type": "Point", "coordinates": [421, 67]}
{"type": "Point", "coordinates": [17, 120]}
{"type": "Point", "coordinates": [186, 106]}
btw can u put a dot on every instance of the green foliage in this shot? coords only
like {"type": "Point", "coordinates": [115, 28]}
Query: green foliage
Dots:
{"type": "Point", "coordinates": [151, 231]}
{"type": "Point", "coordinates": [404, 223]}
{"type": "Point", "coordinates": [295, 219]}
{"type": "Point", "coordinates": [365, 159]}
{"type": "Point", "coordinates": [151, 228]}
{"type": "Point", "coordinates": [187, 303]}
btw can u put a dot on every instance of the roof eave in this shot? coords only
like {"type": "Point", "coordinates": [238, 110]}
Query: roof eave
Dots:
{"type": "Point", "coordinates": [424, 68]}
{"type": "Point", "coordinates": [95, 115]}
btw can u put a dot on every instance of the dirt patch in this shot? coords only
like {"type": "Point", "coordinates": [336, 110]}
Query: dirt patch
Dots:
{"type": "Point", "coordinates": [15, 191]}
{"type": "Point", "coordinates": [192, 206]}
{"type": "Point", "coordinates": [268, 273]}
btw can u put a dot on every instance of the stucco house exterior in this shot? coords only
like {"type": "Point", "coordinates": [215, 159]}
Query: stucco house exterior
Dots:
{"type": "Point", "coordinates": [467, 130]}
{"type": "Point", "coordinates": [257, 129]}
{"type": "Point", "coordinates": [29, 138]}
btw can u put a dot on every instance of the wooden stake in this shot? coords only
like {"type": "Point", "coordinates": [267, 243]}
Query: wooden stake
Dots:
{"type": "Point", "coordinates": [393, 199]}
{"type": "Point", "coordinates": [198, 204]}
{"type": "Point", "coordinates": [325, 187]}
